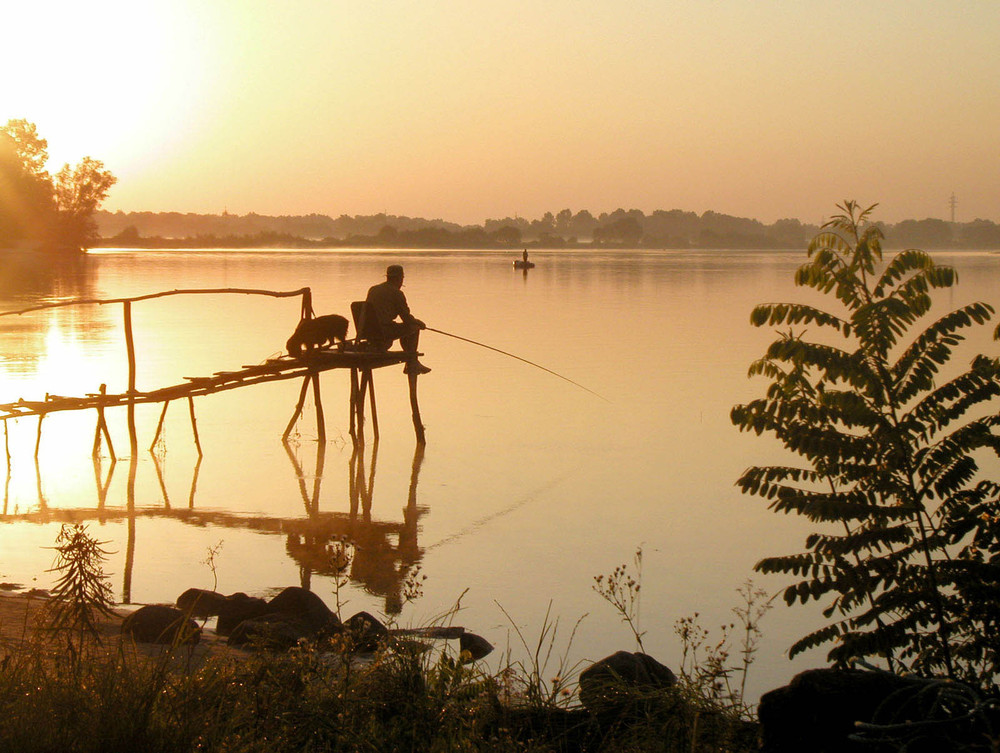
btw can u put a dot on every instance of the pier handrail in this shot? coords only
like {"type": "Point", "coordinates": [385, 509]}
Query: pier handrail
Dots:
{"type": "Point", "coordinates": [102, 301]}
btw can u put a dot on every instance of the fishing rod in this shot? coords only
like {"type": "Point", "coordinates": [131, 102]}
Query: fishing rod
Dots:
{"type": "Point", "coordinates": [525, 360]}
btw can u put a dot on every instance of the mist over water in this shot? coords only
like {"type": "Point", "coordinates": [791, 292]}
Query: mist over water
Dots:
{"type": "Point", "coordinates": [528, 486]}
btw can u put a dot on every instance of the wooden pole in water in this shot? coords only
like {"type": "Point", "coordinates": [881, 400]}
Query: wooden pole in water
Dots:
{"type": "Point", "coordinates": [38, 439]}
{"type": "Point", "coordinates": [360, 411]}
{"type": "Point", "coordinates": [418, 427]}
{"type": "Point", "coordinates": [133, 438]}
{"type": "Point", "coordinates": [354, 401]}
{"type": "Point", "coordinates": [194, 425]}
{"type": "Point", "coordinates": [371, 394]}
{"type": "Point", "coordinates": [298, 408]}
{"type": "Point", "coordinates": [320, 421]}
{"type": "Point", "coordinates": [159, 425]}
{"type": "Point", "coordinates": [102, 428]}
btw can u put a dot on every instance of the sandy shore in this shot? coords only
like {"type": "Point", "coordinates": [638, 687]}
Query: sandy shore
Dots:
{"type": "Point", "coordinates": [21, 618]}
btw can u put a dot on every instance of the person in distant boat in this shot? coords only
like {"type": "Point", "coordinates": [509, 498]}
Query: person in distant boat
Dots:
{"type": "Point", "coordinates": [525, 258]}
{"type": "Point", "coordinates": [389, 304]}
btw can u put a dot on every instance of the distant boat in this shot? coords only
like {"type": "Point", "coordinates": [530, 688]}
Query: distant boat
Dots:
{"type": "Point", "coordinates": [520, 264]}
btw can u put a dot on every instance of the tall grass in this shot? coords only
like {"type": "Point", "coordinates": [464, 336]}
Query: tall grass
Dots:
{"type": "Point", "coordinates": [407, 696]}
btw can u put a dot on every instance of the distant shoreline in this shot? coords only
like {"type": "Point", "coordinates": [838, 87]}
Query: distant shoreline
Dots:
{"type": "Point", "coordinates": [674, 229]}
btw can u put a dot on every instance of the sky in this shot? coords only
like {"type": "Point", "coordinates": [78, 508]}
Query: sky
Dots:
{"type": "Point", "coordinates": [466, 110]}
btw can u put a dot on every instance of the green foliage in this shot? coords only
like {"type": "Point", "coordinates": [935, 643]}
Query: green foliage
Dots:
{"type": "Point", "coordinates": [907, 552]}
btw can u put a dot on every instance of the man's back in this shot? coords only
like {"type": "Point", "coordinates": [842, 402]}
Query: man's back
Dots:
{"type": "Point", "coordinates": [389, 302]}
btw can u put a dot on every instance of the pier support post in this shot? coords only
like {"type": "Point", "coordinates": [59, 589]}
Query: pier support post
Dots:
{"type": "Point", "coordinates": [358, 406]}
{"type": "Point", "coordinates": [354, 400]}
{"type": "Point", "coordinates": [320, 420]}
{"type": "Point", "coordinates": [159, 424]}
{"type": "Point", "coordinates": [194, 424]}
{"type": "Point", "coordinates": [311, 378]}
{"type": "Point", "coordinates": [368, 385]}
{"type": "Point", "coordinates": [298, 408]}
{"type": "Point", "coordinates": [102, 428]}
{"type": "Point", "coordinates": [38, 439]}
{"type": "Point", "coordinates": [418, 426]}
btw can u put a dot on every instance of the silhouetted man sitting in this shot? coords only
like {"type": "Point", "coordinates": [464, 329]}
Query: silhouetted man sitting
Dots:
{"type": "Point", "coordinates": [389, 303]}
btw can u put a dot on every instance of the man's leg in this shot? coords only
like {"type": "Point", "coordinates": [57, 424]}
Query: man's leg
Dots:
{"type": "Point", "coordinates": [408, 341]}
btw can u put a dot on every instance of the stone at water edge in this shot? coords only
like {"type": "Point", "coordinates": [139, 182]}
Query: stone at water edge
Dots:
{"type": "Point", "coordinates": [366, 632]}
{"type": "Point", "coordinates": [477, 646]}
{"type": "Point", "coordinates": [305, 605]}
{"type": "Point", "coordinates": [201, 603]}
{"type": "Point", "coordinates": [274, 631]}
{"type": "Point", "coordinates": [616, 680]}
{"type": "Point", "coordinates": [818, 709]}
{"type": "Point", "coordinates": [236, 608]}
{"type": "Point", "coordinates": [162, 624]}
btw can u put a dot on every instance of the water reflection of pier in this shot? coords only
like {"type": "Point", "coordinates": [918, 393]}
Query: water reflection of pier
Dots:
{"type": "Point", "coordinates": [384, 552]}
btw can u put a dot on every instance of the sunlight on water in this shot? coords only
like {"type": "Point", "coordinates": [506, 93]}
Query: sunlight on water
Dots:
{"type": "Point", "coordinates": [528, 487]}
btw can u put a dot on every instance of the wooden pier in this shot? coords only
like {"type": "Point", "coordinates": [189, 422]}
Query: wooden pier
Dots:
{"type": "Point", "coordinates": [358, 355]}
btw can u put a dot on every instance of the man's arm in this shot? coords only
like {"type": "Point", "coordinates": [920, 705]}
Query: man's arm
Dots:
{"type": "Point", "coordinates": [403, 310]}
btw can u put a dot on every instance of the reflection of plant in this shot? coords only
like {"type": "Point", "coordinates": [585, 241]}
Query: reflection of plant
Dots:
{"type": "Point", "coordinates": [891, 459]}
{"type": "Point", "coordinates": [621, 590]}
{"type": "Point", "coordinates": [82, 592]}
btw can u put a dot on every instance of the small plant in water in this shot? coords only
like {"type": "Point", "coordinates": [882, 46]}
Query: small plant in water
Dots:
{"type": "Point", "coordinates": [531, 682]}
{"type": "Point", "coordinates": [210, 560]}
{"type": "Point", "coordinates": [706, 668]}
{"type": "Point", "coordinates": [82, 592]}
{"type": "Point", "coordinates": [705, 664]}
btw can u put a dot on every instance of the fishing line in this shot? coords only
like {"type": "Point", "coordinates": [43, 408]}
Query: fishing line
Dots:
{"type": "Point", "coordinates": [525, 360]}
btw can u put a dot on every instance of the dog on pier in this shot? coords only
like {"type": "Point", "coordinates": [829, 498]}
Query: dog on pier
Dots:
{"type": "Point", "coordinates": [312, 334]}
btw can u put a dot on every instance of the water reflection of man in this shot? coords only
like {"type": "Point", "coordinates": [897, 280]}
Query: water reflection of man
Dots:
{"type": "Point", "coordinates": [389, 303]}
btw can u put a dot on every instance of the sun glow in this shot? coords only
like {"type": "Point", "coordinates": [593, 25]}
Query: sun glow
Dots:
{"type": "Point", "coordinates": [98, 74]}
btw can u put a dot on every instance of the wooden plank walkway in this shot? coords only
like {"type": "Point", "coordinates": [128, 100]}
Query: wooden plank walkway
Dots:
{"type": "Point", "coordinates": [275, 369]}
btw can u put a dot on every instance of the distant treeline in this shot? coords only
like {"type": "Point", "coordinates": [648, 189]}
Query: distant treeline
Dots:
{"type": "Point", "coordinates": [621, 228]}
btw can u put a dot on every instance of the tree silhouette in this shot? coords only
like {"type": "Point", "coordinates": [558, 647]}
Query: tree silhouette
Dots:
{"type": "Point", "coordinates": [908, 551]}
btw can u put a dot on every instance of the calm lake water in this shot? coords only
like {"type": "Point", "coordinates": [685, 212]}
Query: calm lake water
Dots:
{"type": "Point", "coordinates": [528, 486]}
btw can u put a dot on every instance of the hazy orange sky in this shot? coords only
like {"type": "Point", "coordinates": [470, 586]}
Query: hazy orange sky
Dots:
{"type": "Point", "coordinates": [468, 110]}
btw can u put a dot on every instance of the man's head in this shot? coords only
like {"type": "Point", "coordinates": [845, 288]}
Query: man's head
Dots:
{"type": "Point", "coordinates": [394, 273]}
